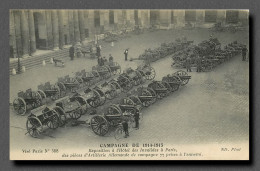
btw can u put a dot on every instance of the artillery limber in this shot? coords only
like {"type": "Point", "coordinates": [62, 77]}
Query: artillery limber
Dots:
{"type": "Point", "coordinates": [103, 71]}
{"type": "Point", "coordinates": [43, 116]}
{"type": "Point", "coordinates": [69, 106]}
{"type": "Point", "coordinates": [113, 67]}
{"type": "Point", "coordinates": [49, 90]}
{"type": "Point", "coordinates": [27, 100]}
{"type": "Point", "coordinates": [87, 78]}
{"type": "Point", "coordinates": [134, 76]}
{"type": "Point", "coordinates": [110, 119]}
{"type": "Point", "coordinates": [68, 83]}
{"type": "Point", "coordinates": [147, 71]}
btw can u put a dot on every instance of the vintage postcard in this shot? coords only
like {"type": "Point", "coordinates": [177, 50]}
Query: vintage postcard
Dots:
{"type": "Point", "coordinates": [129, 84]}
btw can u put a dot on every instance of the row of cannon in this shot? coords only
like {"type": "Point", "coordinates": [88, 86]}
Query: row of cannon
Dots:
{"type": "Point", "coordinates": [164, 50]}
{"type": "Point", "coordinates": [110, 117]}
{"type": "Point", "coordinates": [66, 85]}
{"type": "Point", "coordinates": [209, 52]}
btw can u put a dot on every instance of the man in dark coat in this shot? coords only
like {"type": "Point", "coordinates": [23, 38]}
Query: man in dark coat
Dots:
{"type": "Point", "coordinates": [126, 53]}
{"type": "Point", "coordinates": [71, 52]}
{"type": "Point", "coordinates": [188, 64]}
{"type": "Point", "coordinates": [111, 59]}
{"type": "Point", "coordinates": [98, 51]}
{"type": "Point", "coordinates": [137, 117]}
{"type": "Point", "coordinates": [244, 51]}
{"type": "Point", "coordinates": [125, 127]}
{"type": "Point", "coordinates": [198, 62]}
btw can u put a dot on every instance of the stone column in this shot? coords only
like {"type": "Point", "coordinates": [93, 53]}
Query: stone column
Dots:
{"type": "Point", "coordinates": [71, 27]}
{"type": "Point", "coordinates": [221, 16]}
{"type": "Point", "coordinates": [105, 17]}
{"type": "Point", "coordinates": [18, 34]}
{"type": "Point", "coordinates": [61, 29]}
{"type": "Point", "coordinates": [25, 33]}
{"type": "Point", "coordinates": [31, 32]}
{"type": "Point", "coordinates": [200, 17]}
{"type": "Point", "coordinates": [49, 29]}
{"type": "Point", "coordinates": [180, 18]}
{"type": "Point", "coordinates": [243, 16]}
{"type": "Point", "coordinates": [12, 38]}
{"type": "Point", "coordinates": [91, 25]}
{"type": "Point", "coordinates": [76, 26]}
{"type": "Point", "coordinates": [81, 25]}
{"type": "Point", "coordinates": [55, 29]}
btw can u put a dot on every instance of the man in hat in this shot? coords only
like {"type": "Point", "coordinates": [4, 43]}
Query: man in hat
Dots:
{"type": "Point", "coordinates": [188, 64]}
{"type": "Point", "coordinates": [244, 51]}
{"type": "Point", "coordinates": [126, 53]}
{"type": "Point", "coordinates": [125, 128]}
{"type": "Point", "coordinates": [111, 59]}
{"type": "Point", "coordinates": [71, 52]}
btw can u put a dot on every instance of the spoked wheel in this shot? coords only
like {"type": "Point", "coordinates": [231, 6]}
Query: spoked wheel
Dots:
{"type": "Point", "coordinates": [181, 73]}
{"type": "Point", "coordinates": [141, 75]}
{"type": "Point", "coordinates": [42, 94]}
{"type": "Point", "coordinates": [102, 96]}
{"type": "Point", "coordinates": [117, 87]}
{"type": "Point", "coordinates": [34, 126]}
{"type": "Point", "coordinates": [62, 89]}
{"type": "Point", "coordinates": [149, 73]}
{"type": "Point", "coordinates": [99, 125]}
{"type": "Point", "coordinates": [127, 84]}
{"type": "Point", "coordinates": [154, 95]}
{"type": "Point", "coordinates": [54, 120]}
{"type": "Point", "coordinates": [19, 106]}
{"type": "Point", "coordinates": [97, 76]}
{"type": "Point", "coordinates": [58, 93]}
{"type": "Point", "coordinates": [174, 82]}
{"type": "Point", "coordinates": [167, 85]}
{"type": "Point", "coordinates": [76, 114]}
{"type": "Point", "coordinates": [95, 100]}
{"type": "Point", "coordinates": [62, 115]}
{"type": "Point", "coordinates": [38, 100]}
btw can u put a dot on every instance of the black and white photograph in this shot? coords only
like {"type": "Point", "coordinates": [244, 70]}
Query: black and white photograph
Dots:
{"type": "Point", "coordinates": [129, 84]}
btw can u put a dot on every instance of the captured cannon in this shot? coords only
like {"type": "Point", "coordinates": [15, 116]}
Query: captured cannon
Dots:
{"type": "Point", "coordinates": [147, 71]}
{"type": "Point", "coordinates": [113, 67]}
{"type": "Point", "coordinates": [122, 83]}
{"type": "Point", "coordinates": [103, 71]}
{"type": "Point", "coordinates": [110, 119]}
{"type": "Point", "coordinates": [27, 100]}
{"type": "Point", "coordinates": [142, 96]}
{"type": "Point", "coordinates": [134, 76]}
{"type": "Point", "coordinates": [68, 83]}
{"type": "Point", "coordinates": [173, 80]}
{"type": "Point", "coordinates": [87, 78]}
{"type": "Point", "coordinates": [91, 97]}
{"type": "Point", "coordinates": [184, 77]}
{"type": "Point", "coordinates": [43, 116]}
{"type": "Point", "coordinates": [69, 106]}
{"type": "Point", "coordinates": [110, 91]}
{"type": "Point", "coordinates": [50, 91]}
{"type": "Point", "coordinates": [162, 89]}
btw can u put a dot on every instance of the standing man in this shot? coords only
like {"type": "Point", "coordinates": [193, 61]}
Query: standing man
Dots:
{"type": "Point", "coordinates": [137, 117]}
{"type": "Point", "coordinates": [188, 64]}
{"type": "Point", "coordinates": [125, 127]}
{"type": "Point", "coordinates": [71, 52]}
{"type": "Point", "coordinates": [198, 61]}
{"type": "Point", "coordinates": [110, 59]}
{"type": "Point", "coordinates": [98, 51]}
{"type": "Point", "coordinates": [126, 53]}
{"type": "Point", "coordinates": [244, 51]}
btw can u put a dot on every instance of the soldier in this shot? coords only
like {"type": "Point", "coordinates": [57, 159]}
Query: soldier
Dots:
{"type": "Point", "coordinates": [111, 59]}
{"type": "Point", "coordinates": [244, 51]}
{"type": "Point", "coordinates": [188, 64]}
{"type": "Point", "coordinates": [125, 127]}
{"type": "Point", "coordinates": [137, 117]}
{"type": "Point", "coordinates": [71, 52]}
{"type": "Point", "coordinates": [126, 53]}
{"type": "Point", "coordinates": [198, 62]}
{"type": "Point", "coordinates": [98, 51]}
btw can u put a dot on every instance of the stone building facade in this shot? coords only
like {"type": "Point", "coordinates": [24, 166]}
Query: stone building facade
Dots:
{"type": "Point", "coordinates": [53, 29]}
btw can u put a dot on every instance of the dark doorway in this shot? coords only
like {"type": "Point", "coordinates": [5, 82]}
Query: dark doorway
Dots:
{"type": "Point", "coordinates": [111, 17]}
{"type": "Point", "coordinates": [211, 16]}
{"type": "Point", "coordinates": [136, 17]}
{"type": "Point", "coordinates": [154, 17]}
{"type": "Point", "coordinates": [190, 15]}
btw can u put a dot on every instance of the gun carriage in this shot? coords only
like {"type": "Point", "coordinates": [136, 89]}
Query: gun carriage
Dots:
{"type": "Point", "coordinates": [48, 90]}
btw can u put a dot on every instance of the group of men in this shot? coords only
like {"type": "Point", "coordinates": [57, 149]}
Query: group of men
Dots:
{"type": "Point", "coordinates": [126, 126]}
{"type": "Point", "coordinates": [198, 61]}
